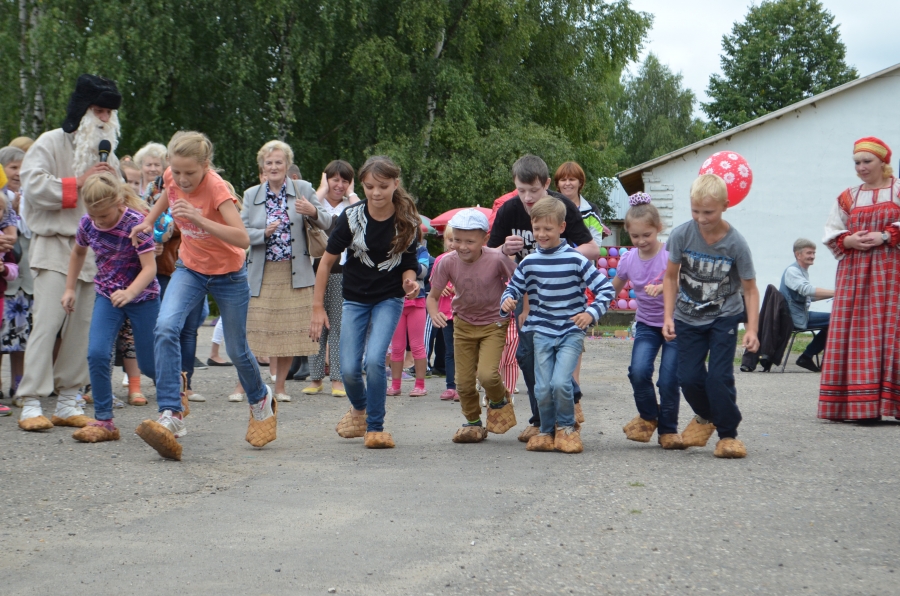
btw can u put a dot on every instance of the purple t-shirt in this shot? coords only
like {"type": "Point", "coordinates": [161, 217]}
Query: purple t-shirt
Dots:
{"type": "Point", "coordinates": [118, 263]}
{"type": "Point", "coordinates": [642, 273]}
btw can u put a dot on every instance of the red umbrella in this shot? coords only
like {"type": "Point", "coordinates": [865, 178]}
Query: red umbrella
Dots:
{"type": "Point", "coordinates": [498, 202]}
{"type": "Point", "coordinates": [439, 223]}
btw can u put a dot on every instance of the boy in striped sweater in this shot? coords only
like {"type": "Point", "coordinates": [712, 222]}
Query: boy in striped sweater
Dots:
{"type": "Point", "coordinates": [554, 278]}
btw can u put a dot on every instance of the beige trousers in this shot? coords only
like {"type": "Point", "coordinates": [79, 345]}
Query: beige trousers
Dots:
{"type": "Point", "coordinates": [42, 376]}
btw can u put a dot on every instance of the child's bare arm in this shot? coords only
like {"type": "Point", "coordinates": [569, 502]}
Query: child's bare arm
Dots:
{"type": "Point", "coordinates": [431, 305]}
{"type": "Point", "coordinates": [146, 226]}
{"type": "Point", "coordinates": [670, 292]}
{"type": "Point", "coordinates": [120, 298]}
{"type": "Point", "coordinates": [618, 284]}
{"type": "Point", "coordinates": [232, 231]}
{"type": "Point", "coordinates": [751, 303]}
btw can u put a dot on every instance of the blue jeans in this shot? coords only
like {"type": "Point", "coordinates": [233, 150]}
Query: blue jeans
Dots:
{"type": "Point", "coordinates": [105, 325]}
{"type": "Point", "coordinates": [555, 359]}
{"type": "Point", "coordinates": [525, 359]}
{"type": "Point", "coordinates": [710, 393]}
{"type": "Point", "coordinates": [817, 320]}
{"type": "Point", "coordinates": [355, 318]}
{"type": "Point", "coordinates": [647, 342]}
{"type": "Point", "coordinates": [189, 332]}
{"type": "Point", "coordinates": [185, 293]}
{"type": "Point", "coordinates": [449, 355]}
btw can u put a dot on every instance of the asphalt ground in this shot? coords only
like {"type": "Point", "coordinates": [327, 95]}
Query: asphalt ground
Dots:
{"type": "Point", "coordinates": [813, 509]}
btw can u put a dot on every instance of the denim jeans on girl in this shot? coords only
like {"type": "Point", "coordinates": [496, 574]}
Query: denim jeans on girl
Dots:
{"type": "Point", "coordinates": [449, 355]}
{"type": "Point", "coordinates": [105, 325]}
{"type": "Point", "coordinates": [189, 332]}
{"type": "Point", "coordinates": [711, 394]}
{"type": "Point", "coordinates": [647, 342]}
{"type": "Point", "coordinates": [555, 359]}
{"type": "Point", "coordinates": [186, 291]}
{"type": "Point", "coordinates": [355, 317]}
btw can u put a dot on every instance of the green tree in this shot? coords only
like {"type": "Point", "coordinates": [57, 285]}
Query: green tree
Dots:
{"type": "Point", "coordinates": [454, 90]}
{"type": "Point", "coordinates": [784, 51]}
{"type": "Point", "coordinates": [654, 113]}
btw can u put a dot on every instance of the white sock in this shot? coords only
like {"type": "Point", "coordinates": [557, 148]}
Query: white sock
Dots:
{"type": "Point", "coordinates": [31, 409]}
{"type": "Point", "coordinates": [67, 404]}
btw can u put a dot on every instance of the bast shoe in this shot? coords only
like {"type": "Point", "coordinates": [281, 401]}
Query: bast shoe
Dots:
{"type": "Point", "coordinates": [379, 440]}
{"type": "Point", "coordinates": [640, 430]}
{"type": "Point", "coordinates": [163, 433]}
{"type": "Point", "coordinates": [579, 413]}
{"type": "Point", "coordinates": [730, 448]}
{"type": "Point", "coordinates": [97, 431]}
{"type": "Point", "coordinates": [541, 442]}
{"type": "Point", "coordinates": [671, 441]}
{"type": "Point", "coordinates": [529, 432]}
{"type": "Point", "coordinates": [568, 440]}
{"type": "Point", "coordinates": [263, 423]}
{"type": "Point", "coordinates": [470, 433]}
{"type": "Point", "coordinates": [501, 417]}
{"type": "Point", "coordinates": [352, 426]}
{"type": "Point", "coordinates": [697, 432]}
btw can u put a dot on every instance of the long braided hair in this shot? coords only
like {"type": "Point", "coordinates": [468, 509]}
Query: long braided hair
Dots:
{"type": "Point", "coordinates": [406, 216]}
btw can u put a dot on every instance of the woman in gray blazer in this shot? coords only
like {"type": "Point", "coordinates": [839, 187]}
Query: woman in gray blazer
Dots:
{"type": "Point", "coordinates": [279, 266]}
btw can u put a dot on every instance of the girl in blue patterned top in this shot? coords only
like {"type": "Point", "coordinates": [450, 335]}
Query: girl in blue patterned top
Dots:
{"type": "Point", "coordinates": [125, 284]}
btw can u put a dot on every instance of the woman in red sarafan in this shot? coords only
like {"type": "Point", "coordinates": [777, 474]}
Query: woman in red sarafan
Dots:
{"type": "Point", "coordinates": [861, 373]}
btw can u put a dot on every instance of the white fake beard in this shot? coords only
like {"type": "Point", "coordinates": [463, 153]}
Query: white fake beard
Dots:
{"type": "Point", "coordinates": [90, 132]}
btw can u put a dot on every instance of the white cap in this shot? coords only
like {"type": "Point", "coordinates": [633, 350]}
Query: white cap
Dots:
{"type": "Point", "coordinates": [469, 219]}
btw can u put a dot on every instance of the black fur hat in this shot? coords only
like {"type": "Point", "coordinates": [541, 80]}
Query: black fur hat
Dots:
{"type": "Point", "coordinates": [90, 91]}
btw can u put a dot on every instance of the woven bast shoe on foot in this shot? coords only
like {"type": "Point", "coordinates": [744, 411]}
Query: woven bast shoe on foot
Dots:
{"type": "Point", "coordinates": [540, 442]}
{"type": "Point", "coordinates": [470, 433]}
{"type": "Point", "coordinates": [671, 441]}
{"type": "Point", "coordinates": [579, 413]}
{"type": "Point", "coordinates": [97, 431]}
{"type": "Point", "coordinates": [379, 440]}
{"type": "Point", "coordinates": [262, 427]}
{"type": "Point", "coordinates": [352, 426]}
{"type": "Point", "coordinates": [697, 432]}
{"type": "Point", "coordinates": [639, 430]}
{"type": "Point", "coordinates": [529, 432]}
{"type": "Point", "coordinates": [568, 440]}
{"type": "Point", "coordinates": [163, 433]}
{"type": "Point", "coordinates": [35, 423]}
{"type": "Point", "coordinates": [500, 418]}
{"type": "Point", "coordinates": [729, 448]}
{"type": "Point", "coordinates": [185, 403]}
{"type": "Point", "coordinates": [76, 421]}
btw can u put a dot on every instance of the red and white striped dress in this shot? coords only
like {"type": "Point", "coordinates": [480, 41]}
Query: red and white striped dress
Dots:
{"type": "Point", "coordinates": [861, 372]}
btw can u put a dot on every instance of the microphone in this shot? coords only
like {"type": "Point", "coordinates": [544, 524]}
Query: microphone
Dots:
{"type": "Point", "coordinates": [105, 148]}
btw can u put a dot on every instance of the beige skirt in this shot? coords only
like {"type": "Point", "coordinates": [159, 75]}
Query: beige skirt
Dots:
{"type": "Point", "coordinates": [278, 319]}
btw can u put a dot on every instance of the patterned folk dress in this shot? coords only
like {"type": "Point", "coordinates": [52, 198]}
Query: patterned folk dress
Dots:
{"type": "Point", "coordinates": [861, 373]}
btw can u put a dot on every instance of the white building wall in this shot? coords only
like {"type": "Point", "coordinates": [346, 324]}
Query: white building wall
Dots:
{"type": "Point", "coordinates": [801, 163]}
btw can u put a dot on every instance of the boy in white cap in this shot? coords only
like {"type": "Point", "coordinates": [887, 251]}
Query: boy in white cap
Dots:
{"type": "Point", "coordinates": [479, 276]}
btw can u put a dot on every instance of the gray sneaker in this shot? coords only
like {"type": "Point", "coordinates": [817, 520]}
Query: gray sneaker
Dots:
{"type": "Point", "coordinates": [172, 424]}
{"type": "Point", "coordinates": [262, 409]}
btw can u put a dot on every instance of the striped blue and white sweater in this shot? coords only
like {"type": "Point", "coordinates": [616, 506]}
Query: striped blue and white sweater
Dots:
{"type": "Point", "coordinates": [555, 280]}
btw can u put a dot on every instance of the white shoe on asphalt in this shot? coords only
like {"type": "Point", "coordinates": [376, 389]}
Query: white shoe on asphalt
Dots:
{"type": "Point", "coordinates": [172, 424]}
{"type": "Point", "coordinates": [236, 397]}
{"type": "Point", "coordinates": [262, 409]}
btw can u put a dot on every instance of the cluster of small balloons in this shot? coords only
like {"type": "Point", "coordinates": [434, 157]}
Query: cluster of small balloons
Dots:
{"type": "Point", "coordinates": [609, 260]}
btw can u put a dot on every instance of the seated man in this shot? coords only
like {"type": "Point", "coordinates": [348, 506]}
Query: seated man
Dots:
{"type": "Point", "coordinates": [799, 292]}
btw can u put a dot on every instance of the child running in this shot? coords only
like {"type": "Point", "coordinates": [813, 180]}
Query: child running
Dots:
{"type": "Point", "coordinates": [645, 268]}
{"type": "Point", "coordinates": [126, 286]}
{"type": "Point", "coordinates": [479, 276]}
{"type": "Point", "coordinates": [445, 305]}
{"type": "Point", "coordinates": [381, 269]}
{"type": "Point", "coordinates": [554, 279]}
{"type": "Point", "coordinates": [411, 328]}
{"type": "Point", "coordinates": [709, 264]}
{"type": "Point", "coordinates": [213, 240]}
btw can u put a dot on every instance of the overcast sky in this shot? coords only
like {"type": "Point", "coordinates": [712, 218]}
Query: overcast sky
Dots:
{"type": "Point", "coordinates": [687, 34]}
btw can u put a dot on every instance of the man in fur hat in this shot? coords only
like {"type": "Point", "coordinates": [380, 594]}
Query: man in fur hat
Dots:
{"type": "Point", "coordinates": [53, 172]}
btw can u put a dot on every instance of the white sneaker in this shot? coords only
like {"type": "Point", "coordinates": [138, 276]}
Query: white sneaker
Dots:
{"type": "Point", "coordinates": [173, 425]}
{"type": "Point", "coordinates": [195, 396]}
{"type": "Point", "coordinates": [125, 380]}
{"type": "Point", "coordinates": [262, 409]}
{"type": "Point", "coordinates": [235, 397]}
{"type": "Point", "coordinates": [282, 397]}
{"type": "Point", "coordinates": [118, 403]}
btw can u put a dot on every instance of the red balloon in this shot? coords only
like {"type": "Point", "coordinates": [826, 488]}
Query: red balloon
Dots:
{"type": "Point", "coordinates": [613, 262]}
{"type": "Point", "coordinates": [623, 294]}
{"type": "Point", "coordinates": [734, 170]}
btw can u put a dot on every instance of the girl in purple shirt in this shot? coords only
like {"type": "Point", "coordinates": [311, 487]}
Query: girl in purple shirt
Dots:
{"type": "Point", "coordinates": [644, 267]}
{"type": "Point", "coordinates": [125, 284]}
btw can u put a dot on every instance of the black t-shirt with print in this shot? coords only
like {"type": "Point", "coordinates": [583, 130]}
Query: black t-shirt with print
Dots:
{"type": "Point", "coordinates": [363, 282]}
{"type": "Point", "coordinates": [513, 220]}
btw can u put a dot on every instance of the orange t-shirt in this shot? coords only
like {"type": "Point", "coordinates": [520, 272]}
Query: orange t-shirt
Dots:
{"type": "Point", "coordinates": [201, 251]}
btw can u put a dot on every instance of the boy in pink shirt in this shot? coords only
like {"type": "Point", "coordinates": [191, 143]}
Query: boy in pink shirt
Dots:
{"type": "Point", "coordinates": [479, 276]}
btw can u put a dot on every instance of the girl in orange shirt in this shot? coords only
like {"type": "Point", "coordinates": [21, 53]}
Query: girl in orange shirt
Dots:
{"type": "Point", "coordinates": [213, 241]}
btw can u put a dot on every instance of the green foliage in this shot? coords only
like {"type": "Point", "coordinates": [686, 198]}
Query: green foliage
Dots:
{"type": "Point", "coordinates": [784, 51]}
{"type": "Point", "coordinates": [654, 113]}
{"type": "Point", "coordinates": [454, 90]}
